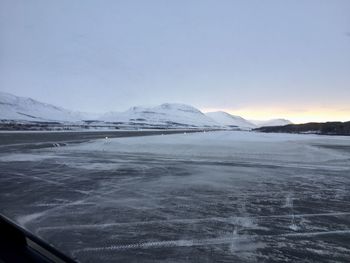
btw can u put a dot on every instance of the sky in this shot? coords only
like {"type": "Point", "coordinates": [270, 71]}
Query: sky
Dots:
{"type": "Point", "coordinates": [258, 59]}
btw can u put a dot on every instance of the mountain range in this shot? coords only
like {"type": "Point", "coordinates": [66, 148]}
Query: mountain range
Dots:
{"type": "Point", "coordinates": [14, 108]}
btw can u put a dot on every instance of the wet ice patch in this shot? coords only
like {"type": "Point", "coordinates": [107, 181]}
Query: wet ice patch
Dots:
{"type": "Point", "coordinates": [94, 166]}
{"type": "Point", "coordinates": [22, 157]}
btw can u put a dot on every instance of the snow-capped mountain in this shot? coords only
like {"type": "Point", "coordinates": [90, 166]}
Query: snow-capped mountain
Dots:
{"type": "Point", "coordinates": [170, 115]}
{"type": "Point", "coordinates": [165, 114]}
{"type": "Point", "coordinates": [273, 122]}
{"type": "Point", "coordinates": [20, 108]}
{"type": "Point", "coordinates": [226, 119]}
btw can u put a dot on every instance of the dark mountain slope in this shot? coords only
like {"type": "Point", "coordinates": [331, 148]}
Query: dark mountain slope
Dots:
{"type": "Point", "coordinates": [324, 128]}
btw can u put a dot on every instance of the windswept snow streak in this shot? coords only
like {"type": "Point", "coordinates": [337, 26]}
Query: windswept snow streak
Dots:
{"type": "Point", "coordinates": [199, 242]}
{"type": "Point", "coordinates": [163, 244]}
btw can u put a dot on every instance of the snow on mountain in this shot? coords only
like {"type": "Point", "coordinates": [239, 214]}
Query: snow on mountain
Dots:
{"type": "Point", "coordinates": [20, 108]}
{"type": "Point", "coordinates": [226, 119]}
{"type": "Point", "coordinates": [172, 114]}
{"type": "Point", "coordinates": [273, 122]}
{"type": "Point", "coordinates": [169, 114]}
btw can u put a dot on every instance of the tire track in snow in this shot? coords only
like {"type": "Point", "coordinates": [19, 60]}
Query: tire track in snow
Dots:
{"type": "Point", "coordinates": [184, 221]}
{"type": "Point", "coordinates": [198, 242]}
{"type": "Point", "coordinates": [163, 244]}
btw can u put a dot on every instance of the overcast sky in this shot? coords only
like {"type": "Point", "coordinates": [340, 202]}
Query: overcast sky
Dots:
{"type": "Point", "coordinates": [259, 59]}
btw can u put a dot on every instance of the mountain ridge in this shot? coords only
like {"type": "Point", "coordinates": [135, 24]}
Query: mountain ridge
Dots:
{"type": "Point", "coordinates": [163, 114]}
{"type": "Point", "coordinates": [167, 115]}
{"type": "Point", "coordinates": [271, 122]}
{"type": "Point", "coordinates": [22, 108]}
{"type": "Point", "coordinates": [227, 119]}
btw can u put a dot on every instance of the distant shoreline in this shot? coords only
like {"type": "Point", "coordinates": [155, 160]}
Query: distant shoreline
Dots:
{"type": "Point", "coordinates": [319, 128]}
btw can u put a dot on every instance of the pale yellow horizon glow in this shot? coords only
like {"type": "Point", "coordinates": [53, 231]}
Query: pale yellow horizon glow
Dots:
{"type": "Point", "coordinates": [295, 116]}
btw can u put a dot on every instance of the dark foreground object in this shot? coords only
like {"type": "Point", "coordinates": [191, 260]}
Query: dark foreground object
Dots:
{"type": "Point", "coordinates": [326, 128]}
{"type": "Point", "coordinates": [18, 245]}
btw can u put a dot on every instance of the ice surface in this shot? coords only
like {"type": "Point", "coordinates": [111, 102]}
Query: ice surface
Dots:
{"type": "Point", "coordinates": [203, 197]}
{"type": "Point", "coordinates": [292, 149]}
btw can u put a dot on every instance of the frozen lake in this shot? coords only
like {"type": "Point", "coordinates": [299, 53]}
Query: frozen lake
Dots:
{"type": "Point", "coordinates": [204, 197]}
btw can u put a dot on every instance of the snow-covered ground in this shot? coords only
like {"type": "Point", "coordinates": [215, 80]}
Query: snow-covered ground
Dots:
{"type": "Point", "coordinates": [223, 196]}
